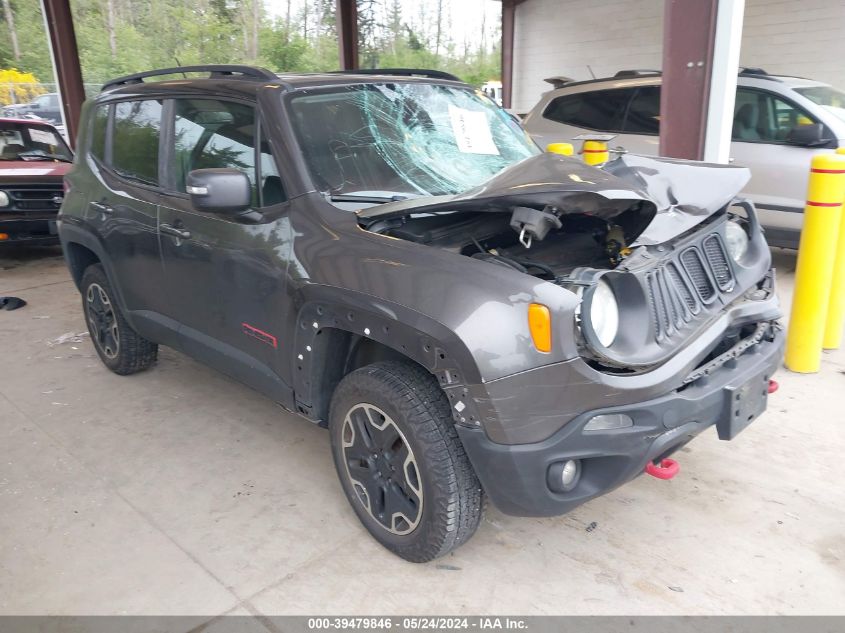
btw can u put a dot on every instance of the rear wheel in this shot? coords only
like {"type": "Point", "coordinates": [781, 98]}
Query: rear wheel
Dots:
{"type": "Point", "coordinates": [120, 348]}
{"type": "Point", "coordinates": [400, 461]}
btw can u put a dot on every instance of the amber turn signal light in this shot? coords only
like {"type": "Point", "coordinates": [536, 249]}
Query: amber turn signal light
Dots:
{"type": "Point", "coordinates": [4, 237]}
{"type": "Point", "coordinates": [540, 324]}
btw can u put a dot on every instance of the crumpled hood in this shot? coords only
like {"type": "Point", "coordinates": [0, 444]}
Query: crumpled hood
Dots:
{"type": "Point", "coordinates": [684, 191]}
{"type": "Point", "coordinates": [671, 195]}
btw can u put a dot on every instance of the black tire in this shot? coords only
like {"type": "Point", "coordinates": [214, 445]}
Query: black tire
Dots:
{"type": "Point", "coordinates": [120, 348]}
{"type": "Point", "coordinates": [449, 502]}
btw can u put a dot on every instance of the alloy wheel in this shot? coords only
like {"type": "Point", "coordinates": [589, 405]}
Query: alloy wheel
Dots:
{"type": "Point", "coordinates": [102, 321]}
{"type": "Point", "coordinates": [382, 468]}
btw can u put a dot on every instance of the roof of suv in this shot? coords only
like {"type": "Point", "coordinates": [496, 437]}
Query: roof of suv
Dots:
{"type": "Point", "coordinates": [248, 80]}
{"type": "Point", "coordinates": [625, 78]}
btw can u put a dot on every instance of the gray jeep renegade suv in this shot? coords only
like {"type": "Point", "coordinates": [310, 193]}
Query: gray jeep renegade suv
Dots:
{"type": "Point", "coordinates": [391, 256]}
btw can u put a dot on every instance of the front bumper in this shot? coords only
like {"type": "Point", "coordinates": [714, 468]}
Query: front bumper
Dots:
{"type": "Point", "coordinates": [40, 229]}
{"type": "Point", "coordinates": [514, 476]}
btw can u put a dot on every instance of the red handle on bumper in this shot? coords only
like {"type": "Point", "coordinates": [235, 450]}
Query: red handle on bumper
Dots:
{"type": "Point", "coordinates": [667, 469]}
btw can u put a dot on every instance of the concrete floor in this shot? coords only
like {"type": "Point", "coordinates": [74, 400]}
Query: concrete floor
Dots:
{"type": "Point", "coordinates": [178, 491]}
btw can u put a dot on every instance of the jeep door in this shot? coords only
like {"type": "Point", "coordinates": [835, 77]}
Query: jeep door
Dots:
{"type": "Point", "coordinates": [122, 208]}
{"type": "Point", "coordinates": [225, 275]}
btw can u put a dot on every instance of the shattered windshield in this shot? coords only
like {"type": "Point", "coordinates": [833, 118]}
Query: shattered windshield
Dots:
{"type": "Point", "coordinates": [405, 139]}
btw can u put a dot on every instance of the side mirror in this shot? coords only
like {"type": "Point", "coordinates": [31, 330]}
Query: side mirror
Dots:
{"type": "Point", "coordinates": [34, 106]}
{"type": "Point", "coordinates": [224, 191]}
{"type": "Point", "coordinates": [807, 136]}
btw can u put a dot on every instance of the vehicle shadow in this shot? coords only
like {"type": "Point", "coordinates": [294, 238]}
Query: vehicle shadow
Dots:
{"type": "Point", "coordinates": [17, 255]}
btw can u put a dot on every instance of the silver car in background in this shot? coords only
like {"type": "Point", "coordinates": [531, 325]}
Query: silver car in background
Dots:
{"type": "Point", "coordinates": [779, 124]}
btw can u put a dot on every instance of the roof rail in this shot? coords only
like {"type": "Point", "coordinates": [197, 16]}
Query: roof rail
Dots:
{"type": "Point", "coordinates": [402, 72]}
{"type": "Point", "coordinates": [637, 73]}
{"type": "Point", "coordinates": [757, 73]}
{"type": "Point", "coordinates": [216, 71]}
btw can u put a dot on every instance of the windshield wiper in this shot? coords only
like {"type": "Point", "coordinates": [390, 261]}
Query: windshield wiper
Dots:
{"type": "Point", "coordinates": [39, 155]}
{"type": "Point", "coordinates": [351, 197]}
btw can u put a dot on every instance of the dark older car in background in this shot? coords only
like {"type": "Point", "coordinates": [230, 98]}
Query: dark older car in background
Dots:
{"type": "Point", "coordinates": [46, 106]}
{"type": "Point", "coordinates": [392, 257]}
{"type": "Point", "coordinates": [33, 161]}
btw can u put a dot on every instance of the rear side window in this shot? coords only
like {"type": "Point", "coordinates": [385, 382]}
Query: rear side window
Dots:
{"type": "Point", "coordinates": [598, 110]}
{"type": "Point", "coordinates": [98, 132]}
{"type": "Point", "coordinates": [644, 112]}
{"type": "Point", "coordinates": [137, 131]}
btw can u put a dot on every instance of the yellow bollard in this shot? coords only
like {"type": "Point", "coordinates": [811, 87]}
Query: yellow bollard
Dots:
{"type": "Point", "coordinates": [564, 149]}
{"type": "Point", "coordinates": [816, 254]}
{"type": "Point", "coordinates": [595, 152]}
{"type": "Point", "coordinates": [836, 306]}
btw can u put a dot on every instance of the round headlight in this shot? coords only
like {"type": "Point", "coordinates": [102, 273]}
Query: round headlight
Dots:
{"type": "Point", "coordinates": [736, 240]}
{"type": "Point", "coordinates": [4, 199]}
{"type": "Point", "coordinates": [604, 313]}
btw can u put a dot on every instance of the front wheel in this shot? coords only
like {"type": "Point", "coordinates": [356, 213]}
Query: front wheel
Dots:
{"type": "Point", "coordinates": [400, 461]}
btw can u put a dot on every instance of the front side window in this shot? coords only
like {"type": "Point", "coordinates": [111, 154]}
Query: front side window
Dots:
{"type": "Point", "coordinates": [209, 133]}
{"type": "Point", "coordinates": [405, 139]}
{"type": "Point", "coordinates": [764, 117]}
{"type": "Point", "coordinates": [137, 130]}
{"type": "Point", "coordinates": [602, 110]}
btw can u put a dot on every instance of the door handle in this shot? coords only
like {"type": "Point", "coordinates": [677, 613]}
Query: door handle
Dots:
{"type": "Point", "coordinates": [167, 229]}
{"type": "Point", "coordinates": [102, 207]}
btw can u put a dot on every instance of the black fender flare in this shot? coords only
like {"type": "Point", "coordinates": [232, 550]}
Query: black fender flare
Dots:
{"type": "Point", "coordinates": [73, 231]}
{"type": "Point", "coordinates": [415, 336]}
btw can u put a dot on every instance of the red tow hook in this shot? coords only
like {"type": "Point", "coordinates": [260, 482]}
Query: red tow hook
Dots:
{"type": "Point", "coordinates": [773, 386]}
{"type": "Point", "coordinates": [667, 469]}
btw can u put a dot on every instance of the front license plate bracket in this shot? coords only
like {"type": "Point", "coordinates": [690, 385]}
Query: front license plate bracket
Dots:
{"type": "Point", "coordinates": [744, 403]}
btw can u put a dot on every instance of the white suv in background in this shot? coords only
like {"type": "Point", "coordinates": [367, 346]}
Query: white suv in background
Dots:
{"type": "Point", "coordinates": [779, 123]}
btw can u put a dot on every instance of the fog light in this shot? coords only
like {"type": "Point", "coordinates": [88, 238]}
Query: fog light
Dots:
{"type": "Point", "coordinates": [4, 199]}
{"type": "Point", "coordinates": [609, 421]}
{"type": "Point", "coordinates": [564, 476]}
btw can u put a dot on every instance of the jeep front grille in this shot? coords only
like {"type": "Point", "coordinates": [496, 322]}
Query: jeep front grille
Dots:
{"type": "Point", "coordinates": [694, 265]}
{"type": "Point", "coordinates": [714, 251]}
{"type": "Point", "coordinates": [678, 290]}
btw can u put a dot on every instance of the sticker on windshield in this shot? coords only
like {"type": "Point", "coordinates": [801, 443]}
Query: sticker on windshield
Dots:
{"type": "Point", "coordinates": [42, 136]}
{"type": "Point", "coordinates": [472, 132]}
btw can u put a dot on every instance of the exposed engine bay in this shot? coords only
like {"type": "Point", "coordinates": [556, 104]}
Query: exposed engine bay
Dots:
{"type": "Point", "coordinates": [548, 215]}
{"type": "Point", "coordinates": [541, 243]}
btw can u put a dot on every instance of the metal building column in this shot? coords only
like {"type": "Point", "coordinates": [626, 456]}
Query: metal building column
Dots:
{"type": "Point", "coordinates": [689, 29]}
{"type": "Point", "coordinates": [508, 22]}
{"type": "Point", "coordinates": [346, 14]}
{"type": "Point", "coordinates": [58, 22]}
{"type": "Point", "coordinates": [720, 109]}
